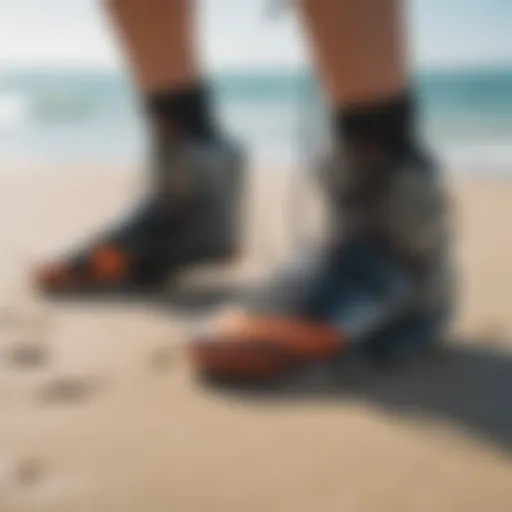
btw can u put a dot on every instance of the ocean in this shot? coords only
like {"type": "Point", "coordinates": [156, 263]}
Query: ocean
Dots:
{"type": "Point", "coordinates": [94, 116]}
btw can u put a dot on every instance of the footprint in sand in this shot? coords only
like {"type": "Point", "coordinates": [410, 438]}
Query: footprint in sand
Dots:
{"type": "Point", "coordinates": [28, 354]}
{"type": "Point", "coordinates": [29, 472]}
{"type": "Point", "coordinates": [68, 390]}
{"type": "Point", "coordinates": [33, 486]}
{"type": "Point", "coordinates": [17, 327]}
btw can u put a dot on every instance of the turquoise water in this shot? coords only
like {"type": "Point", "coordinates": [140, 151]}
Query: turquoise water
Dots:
{"type": "Point", "coordinates": [91, 115]}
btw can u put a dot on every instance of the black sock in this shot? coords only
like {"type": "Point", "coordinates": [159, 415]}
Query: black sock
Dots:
{"type": "Point", "coordinates": [386, 127]}
{"type": "Point", "coordinates": [374, 138]}
{"type": "Point", "coordinates": [184, 112]}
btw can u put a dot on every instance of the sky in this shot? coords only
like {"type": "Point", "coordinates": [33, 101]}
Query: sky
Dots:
{"type": "Point", "coordinates": [238, 34]}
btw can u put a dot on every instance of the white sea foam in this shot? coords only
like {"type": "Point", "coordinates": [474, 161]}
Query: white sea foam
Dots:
{"type": "Point", "coordinates": [487, 157]}
{"type": "Point", "coordinates": [14, 109]}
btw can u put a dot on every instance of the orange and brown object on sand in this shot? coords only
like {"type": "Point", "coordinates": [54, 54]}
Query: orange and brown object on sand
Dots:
{"type": "Point", "coordinates": [106, 265]}
{"type": "Point", "coordinates": [252, 347]}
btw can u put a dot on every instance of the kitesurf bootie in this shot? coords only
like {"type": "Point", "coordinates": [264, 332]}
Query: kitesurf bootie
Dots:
{"type": "Point", "coordinates": [190, 217]}
{"type": "Point", "coordinates": [380, 283]}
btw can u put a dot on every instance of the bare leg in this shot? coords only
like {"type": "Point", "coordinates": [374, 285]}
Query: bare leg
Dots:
{"type": "Point", "coordinates": [159, 42]}
{"type": "Point", "coordinates": [358, 47]}
{"type": "Point", "coordinates": [157, 36]}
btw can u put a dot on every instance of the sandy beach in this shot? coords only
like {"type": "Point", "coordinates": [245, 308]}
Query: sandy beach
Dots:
{"type": "Point", "coordinates": [99, 411]}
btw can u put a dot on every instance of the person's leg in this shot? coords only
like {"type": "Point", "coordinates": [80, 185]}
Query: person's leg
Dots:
{"type": "Point", "coordinates": [158, 39]}
{"type": "Point", "coordinates": [358, 47]}
{"type": "Point", "coordinates": [190, 213]}
{"type": "Point", "coordinates": [360, 52]}
{"type": "Point", "coordinates": [376, 283]}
